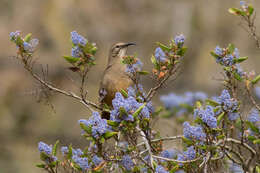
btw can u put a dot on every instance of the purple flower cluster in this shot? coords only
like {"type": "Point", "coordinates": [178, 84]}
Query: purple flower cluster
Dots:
{"type": "Point", "coordinates": [189, 154]}
{"type": "Point", "coordinates": [160, 169]}
{"type": "Point", "coordinates": [47, 149]}
{"type": "Point", "coordinates": [14, 35]}
{"type": "Point", "coordinates": [170, 154]}
{"type": "Point", "coordinates": [81, 161]}
{"type": "Point", "coordinates": [207, 115]}
{"type": "Point", "coordinates": [44, 148]}
{"type": "Point", "coordinates": [98, 125]}
{"type": "Point", "coordinates": [79, 42]}
{"type": "Point", "coordinates": [193, 132]}
{"type": "Point", "coordinates": [235, 168]}
{"type": "Point", "coordinates": [123, 108]}
{"type": "Point", "coordinates": [257, 92]}
{"type": "Point", "coordinates": [138, 93]}
{"type": "Point", "coordinates": [227, 103]}
{"type": "Point", "coordinates": [176, 102]}
{"type": "Point", "coordinates": [224, 58]}
{"type": "Point", "coordinates": [254, 116]}
{"type": "Point", "coordinates": [160, 55]}
{"type": "Point", "coordinates": [78, 39]}
{"type": "Point", "coordinates": [179, 40]}
{"type": "Point", "coordinates": [30, 47]}
{"type": "Point", "coordinates": [96, 160]}
{"type": "Point", "coordinates": [133, 68]}
{"type": "Point", "coordinates": [127, 162]}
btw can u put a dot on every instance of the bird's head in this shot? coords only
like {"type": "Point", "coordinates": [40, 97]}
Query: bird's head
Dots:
{"type": "Point", "coordinates": [118, 51]}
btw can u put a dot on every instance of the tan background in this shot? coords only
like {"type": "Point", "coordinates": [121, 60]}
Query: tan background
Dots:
{"type": "Point", "coordinates": [24, 121]}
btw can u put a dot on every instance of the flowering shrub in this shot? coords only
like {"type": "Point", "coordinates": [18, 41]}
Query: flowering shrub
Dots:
{"type": "Point", "coordinates": [221, 133]}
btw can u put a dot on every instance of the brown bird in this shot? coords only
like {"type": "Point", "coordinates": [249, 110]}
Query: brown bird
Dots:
{"type": "Point", "coordinates": [114, 77]}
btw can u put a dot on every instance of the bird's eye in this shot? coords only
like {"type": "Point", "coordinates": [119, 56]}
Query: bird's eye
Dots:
{"type": "Point", "coordinates": [117, 46]}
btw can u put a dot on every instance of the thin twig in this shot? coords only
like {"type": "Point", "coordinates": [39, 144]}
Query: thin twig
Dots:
{"type": "Point", "coordinates": [178, 161]}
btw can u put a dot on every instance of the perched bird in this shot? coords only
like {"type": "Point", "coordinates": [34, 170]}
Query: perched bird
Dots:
{"type": "Point", "coordinates": [114, 77]}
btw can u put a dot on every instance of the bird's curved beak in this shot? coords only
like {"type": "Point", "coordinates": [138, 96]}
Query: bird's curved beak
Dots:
{"type": "Point", "coordinates": [129, 44]}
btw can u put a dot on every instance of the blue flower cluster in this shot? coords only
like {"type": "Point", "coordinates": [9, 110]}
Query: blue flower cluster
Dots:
{"type": "Point", "coordinates": [77, 152]}
{"type": "Point", "coordinates": [133, 68]}
{"type": "Point", "coordinates": [127, 162]}
{"type": "Point", "coordinates": [179, 40]}
{"type": "Point", "coordinates": [189, 154]}
{"type": "Point", "coordinates": [96, 160]}
{"type": "Point", "coordinates": [207, 115]}
{"type": "Point", "coordinates": [44, 148]}
{"type": "Point", "coordinates": [47, 149]}
{"type": "Point", "coordinates": [123, 108]}
{"type": "Point", "coordinates": [98, 125]}
{"type": "Point", "coordinates": [178, 102]}
{"type": "Point", "coordinates": [254, 116]}
{"type": "Point", "coordinates": [79, 42]}
{"type": "Point", "coordinates": [228, 104]}
{"type": "Point", "coordinates": [235, 168]}
{"type": "Point", "coordinates": [160, 55]}
{"type": "Point", "coordinates": [78, 39]}
{"type": "Point", "coordinates": [14, 35]}
{"type": "Point", "coordinates": [81, 161]}
{"type": "Point", "coordinates": [160, 169]}
{"type": "Point", "coordinates": [139, 94]}
{"type": "Point", "coordinates": [257, 92]}
{"type": "Point", "coordinates": [30, 47]}
{"type": "Point", "coordinates": [170, 154]}
{"type": "Point", "coordinates": [193, 132]}
{"type": "Point", "coordinates": [244, 5]}
{"type": "Point", "coordinates": [225, 58]}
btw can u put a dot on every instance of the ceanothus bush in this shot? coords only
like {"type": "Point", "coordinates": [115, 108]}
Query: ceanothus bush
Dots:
{"type": "Point", "coordinates": [219, 133]}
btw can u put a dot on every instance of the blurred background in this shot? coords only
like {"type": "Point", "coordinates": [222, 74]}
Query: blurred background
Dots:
{"type": "Point", "coordinates": [26, 118]}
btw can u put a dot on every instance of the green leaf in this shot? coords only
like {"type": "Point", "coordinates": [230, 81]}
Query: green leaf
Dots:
{"type": "Point", "coordinates": [70, 152]}
{"type": "Point", "coordinates": [44, 156]}
{"type": "Point", "coordinates": [230, 48]}
{"type": "Point", "coordinates": [237, 76]}
{"type": "Point", "coordinates": [241, 59]}
{"type": "Point", "coordinates": [251, 138]}
{"type": "Point", "coordinates": [143, 72]}
{"type": "Point", "coordinates": [108, 135]}
{"type": "Point", "coordinates": [163, 47]}
{"type": "Point", "coordinates": [182, 51]}
{"type": "Point", "coordinates": [214, 55]}
{"type": "Point", "coordinates": [153, 60]}
{"type": "Point", "coordinates": [112, 123]}
{"type": "Point", "coordinates": [187, 141]}
{"type": "Point", "coordinates": [252, 126]}
{"type": "Point", "coordinates": [54, 149]}
{"type": "Point", "coordinates": [40, 165]}
{"type": "Point", "coordinates": [138, 111]}
{"type": "Point", "coordinates": [257, 141]}
{"type": "Point", "coordinates": [71, 59]}
{"type": "Point", "coordinates": [27, 38]}
{"type": "Point", "coordinates": [212, 102]}
{"type": "Point", "coordinates": [102, 140]}
{"type": "Point", "coordinates": [250, 10]}
{"type": "Point", "coordinates": [221, 136]}
{"type": "Point", "coordinates": [124, 93]}
{"type": "Point", "coordinates": [236, 11]}
{"type": "Point", "coordinates": [256, 79]}
{"type": "Point", "coordinates": [87, 129]}
{"type": "Point", "coordinates": [19, 41]}
{"type": "Point", "coordinates": [257, 168]}
{"type": "Point", "coordinates": [220, 117]}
